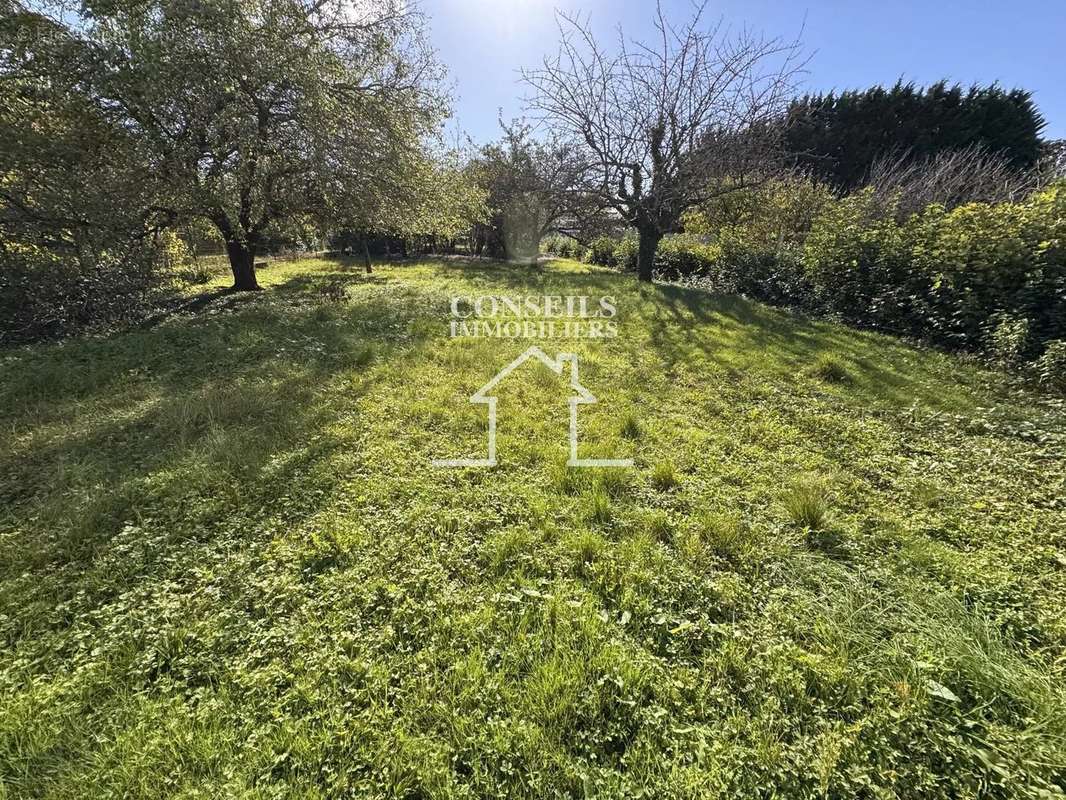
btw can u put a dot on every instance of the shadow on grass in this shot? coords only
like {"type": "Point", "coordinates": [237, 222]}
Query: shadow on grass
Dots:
{"type": "Point", "coordinates": [744, 336]}
{"type": "Point", "coordinates": [216, 415]}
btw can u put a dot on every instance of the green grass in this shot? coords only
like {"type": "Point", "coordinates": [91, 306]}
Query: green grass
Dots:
{"type": "Point", "coordinates": [229, 569]}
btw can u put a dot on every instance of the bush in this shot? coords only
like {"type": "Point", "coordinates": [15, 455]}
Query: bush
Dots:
{"type": "Point", "coordinates": [1050, 368]}
{"type": "Point", "coordinates": [765, 218]}
{"type": "Point", "coordinates": [1007, 339]}
{"type": "Point", "coordinates": [48, 293]}
{"type": "Point", "coordinates": [950, 277]}
{"type": "Point", "coordinates": [562, 247]}
{"type": "Point", "coordinates": [680, 257]}
{"type": "Point", "coordinates": [773, 275]}
{"type": "Point", "coordinates": [603, 251]}
{"type": "Point", "coordinates": [625, 252]}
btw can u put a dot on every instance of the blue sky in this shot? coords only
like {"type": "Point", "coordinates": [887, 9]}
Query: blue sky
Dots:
{"type": "Point", "coordinates": [853, 44]}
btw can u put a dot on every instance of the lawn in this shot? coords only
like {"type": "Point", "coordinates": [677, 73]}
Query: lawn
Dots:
{"type": "Point", "coordinates": [229, 567]}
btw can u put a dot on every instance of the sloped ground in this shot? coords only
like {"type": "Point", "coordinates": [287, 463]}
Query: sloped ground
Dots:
{"type": "Point", "coordinates": [228, 568]}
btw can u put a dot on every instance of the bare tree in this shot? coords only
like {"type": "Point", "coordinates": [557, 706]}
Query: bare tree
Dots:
{"type": "Point", "coordinates": [670, 124]}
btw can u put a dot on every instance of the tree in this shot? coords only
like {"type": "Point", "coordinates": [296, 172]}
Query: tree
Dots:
{"type": "Point", "coordinates": [437, 199]}
{"type": "Point", "coordinates": [839, 137]}
{"type": "Point", "coordinates": [665, 126]}
{"type": "Point", "coordinates": [533, 187]}
{"type": "Point", "coordinates": [79, 241]}
{"type": "Point", "coordinates": [251, 112]}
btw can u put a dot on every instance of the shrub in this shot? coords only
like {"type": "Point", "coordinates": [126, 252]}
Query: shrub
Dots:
{"type": "Point", "coordinates": [625, 252]}
{"type": "Point", "coordinates": [946, 276]}
{"type": "Point", "coordinates": [766, 218]}
{"type": "Point", "coordinates": [1007, 338]}
{"type": "Point", "coordinates": [47, 293]}
{"type": "Point", "coordinates": [602, 251]}
{"type": "Point", "coordinates": [562, 247]}
{"type": "Point", "coordinates": [772, 275]}
{"type": "Point", "coordinates": [680, 257]}
{"type": "Point", "coordinates": [1050, 368]}
{"type": "Point", "coordinates": [197, 273]}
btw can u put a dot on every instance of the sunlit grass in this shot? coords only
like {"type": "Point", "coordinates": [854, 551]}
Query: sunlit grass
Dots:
{"type": "Point", "coordinates": [229, 567]}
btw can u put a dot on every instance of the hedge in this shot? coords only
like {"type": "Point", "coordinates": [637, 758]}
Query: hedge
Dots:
{"type": "Point", "coordinates": [982, 277]}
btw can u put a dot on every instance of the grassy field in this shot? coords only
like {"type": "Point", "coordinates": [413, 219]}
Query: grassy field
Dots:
{"type": "Point", "coordinates": [837, 569]}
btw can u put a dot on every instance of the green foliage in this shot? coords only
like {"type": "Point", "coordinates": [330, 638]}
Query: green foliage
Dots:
{"type": "Point", "coordinates": [564, 247]}
{"type": "Point", "coordinates": [945, 276]}
{"type": "Point", "coordinates": [840, 136]}
{"type": "Point", "coordinates": [625, 252]}
{"type": "Point", "coordinates": [258, 117]}
{"type": "Point", "coordinates": [684, 257]}
{"type": "Point", "coordinates": [729, 536]}
{"type": "Point", "coordinates": [80, 244]}
{"type": "Point", "coordinates": [599, 506]}
{"type": "Point", "coordinates": [1007, 339]}
{"type": "Point", "coordinates": [527, 182]}
{"type": "Point", "coordinates": [602, 250]}
{"type": "Point", "coordinates": [1050, 367]}
{"type": "Point", "coordinates": [48, 294]}
{"type": "Point", "coordinates": [768, 218]}
{"type": "Point", "coordinates": [985, 277]}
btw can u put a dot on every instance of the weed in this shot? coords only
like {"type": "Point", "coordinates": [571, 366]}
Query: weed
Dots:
{"type": "Point", "coordinates": [664, 476]}
{"type": "Point", "coordinates": [830, 369]}
{"type": "Point", "coordinates": [807, 503]}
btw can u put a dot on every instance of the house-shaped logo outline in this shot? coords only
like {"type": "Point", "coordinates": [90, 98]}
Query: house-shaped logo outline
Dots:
{"type": "Point", "coordinates": [581, 396]}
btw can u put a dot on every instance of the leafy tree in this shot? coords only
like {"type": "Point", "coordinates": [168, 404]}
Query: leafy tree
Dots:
{"type": "Point", "coordinates": [438, 199]}
{"type": "Point", "coordinates": [665, 126]}
{"type": "Point", "coordinates": [532, 188]}
{"type": "Point", "coordinates": [79, 238]}
{"type": "Point", "coordinates": [250, 112]}
{"type": "Point", "coordinates": [841, 136]}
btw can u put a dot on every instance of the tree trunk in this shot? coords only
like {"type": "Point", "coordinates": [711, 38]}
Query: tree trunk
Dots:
{"type": "Point", "coordinates": [242, 265]}
{"type": "Point", "coordinates": [648, 243]}
{"type": "Point", "coordinates": [366, 256]}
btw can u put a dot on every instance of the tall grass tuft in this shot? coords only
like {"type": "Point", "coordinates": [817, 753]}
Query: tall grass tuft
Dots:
{"type": "Point", "coordinates": [631, 427]}
{"type": "Point", "coordinates": [807, 503]}
{"type": "Point", "coordinates": [830, 369]}
{"type": "Point", "coordinates": [599, 506]}
{"type": "Point", "coordinates": [664, 475]}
